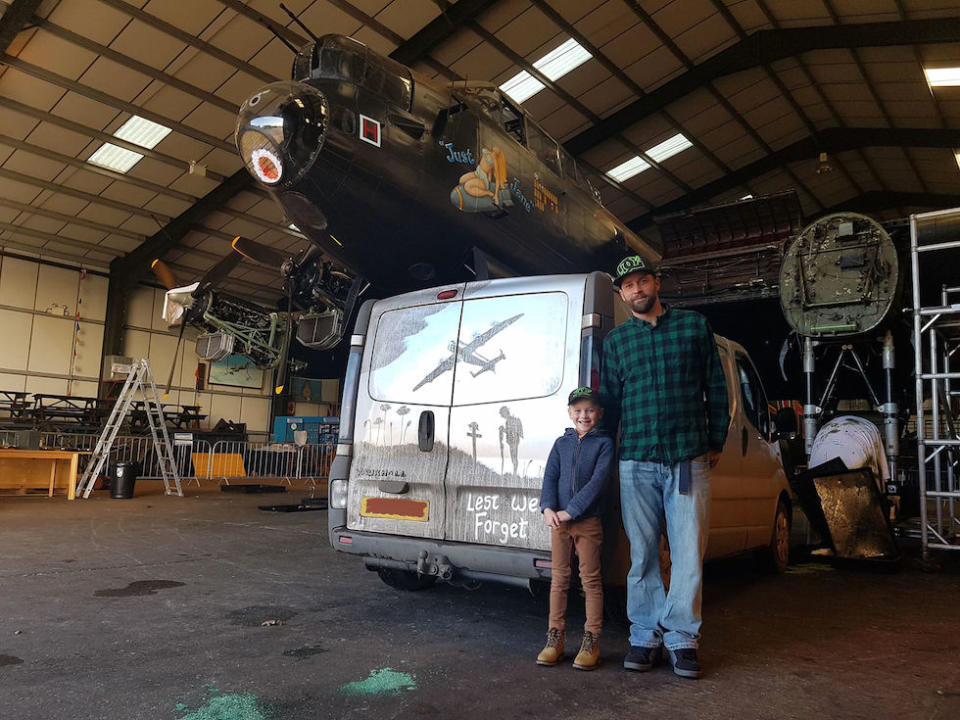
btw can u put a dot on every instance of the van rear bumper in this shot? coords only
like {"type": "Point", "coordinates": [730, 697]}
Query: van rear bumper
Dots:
{"type": "Point", "coordinates": [449, 561]}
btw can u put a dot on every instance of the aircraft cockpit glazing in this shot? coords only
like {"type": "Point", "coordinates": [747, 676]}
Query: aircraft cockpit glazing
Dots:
{"type": "Point", "coordinates": [339, 58]}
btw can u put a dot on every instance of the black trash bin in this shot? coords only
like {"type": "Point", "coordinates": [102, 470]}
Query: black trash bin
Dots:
{"type": "Point", "coordinates": [124, 476]}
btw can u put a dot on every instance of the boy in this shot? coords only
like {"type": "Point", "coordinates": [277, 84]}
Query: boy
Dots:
{"type": "Point", "coordinates": [572, 501]}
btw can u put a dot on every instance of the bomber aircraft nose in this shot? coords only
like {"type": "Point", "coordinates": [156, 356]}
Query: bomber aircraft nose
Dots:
{"type": "Point", "coordinates": [280, 131]}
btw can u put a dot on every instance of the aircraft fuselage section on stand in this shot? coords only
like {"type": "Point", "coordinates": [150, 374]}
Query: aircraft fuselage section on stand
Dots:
{"type": "Point", "coordinates": [401, 180]}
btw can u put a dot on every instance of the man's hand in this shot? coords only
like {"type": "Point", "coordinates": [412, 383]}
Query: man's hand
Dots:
{"type": "Point", "coordinates": [563, 516]}
{"type": "Point", "coordinates": [714, 458]}
{"type": "Point", "coordinates": [550, 518]}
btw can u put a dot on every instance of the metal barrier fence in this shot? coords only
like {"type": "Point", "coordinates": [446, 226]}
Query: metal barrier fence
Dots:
{"type": "Point", "coordinates": [199, 460]}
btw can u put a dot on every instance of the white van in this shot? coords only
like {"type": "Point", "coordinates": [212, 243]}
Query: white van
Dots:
{"type": "Point", "coordinates": [452, 400]}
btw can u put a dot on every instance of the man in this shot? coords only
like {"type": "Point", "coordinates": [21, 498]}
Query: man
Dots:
{"type": "Point", "coordinates": [662, 380]}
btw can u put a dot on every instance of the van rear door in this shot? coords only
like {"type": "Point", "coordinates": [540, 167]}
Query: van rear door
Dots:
{"type": "Point", "coordinates": [403, 415]}
{"type": "Point", "coordinates": [519, 356]}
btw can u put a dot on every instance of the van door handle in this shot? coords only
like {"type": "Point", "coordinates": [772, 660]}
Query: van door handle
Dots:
{"type": "Point", "coordinates": [425, 431]}
{"type": "Point", "coordinates": [744, 440]}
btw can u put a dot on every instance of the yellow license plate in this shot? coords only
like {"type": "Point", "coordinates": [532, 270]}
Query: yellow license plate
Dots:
{"type": "Point", "coordinates": [395, 508]}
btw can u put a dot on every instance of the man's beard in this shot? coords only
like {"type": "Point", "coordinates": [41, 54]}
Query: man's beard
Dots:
{"type": "Point", "coordinates": [642, 307]}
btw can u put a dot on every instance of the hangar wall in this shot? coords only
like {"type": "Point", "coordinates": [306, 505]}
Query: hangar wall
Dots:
{"type": "Point", "coordinates": [47, 311]}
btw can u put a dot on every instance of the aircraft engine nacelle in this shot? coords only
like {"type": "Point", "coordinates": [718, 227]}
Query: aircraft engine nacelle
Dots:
{"type": "Point", "coordinates": [214, 346]}
{"type": "Point", "coordinates": [280, 132]}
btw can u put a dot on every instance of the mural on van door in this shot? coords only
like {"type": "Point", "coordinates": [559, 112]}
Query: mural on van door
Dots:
{"type": "Point", "coordinates": [467, 353]}
{"type": "Point", "coordinates": [491, 370]}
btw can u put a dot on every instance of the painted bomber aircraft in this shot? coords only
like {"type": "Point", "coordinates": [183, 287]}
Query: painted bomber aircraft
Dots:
{"type": "Point", "coordinates": [408, 184]}
{"type": "Point", "coordinates": [467, 352]}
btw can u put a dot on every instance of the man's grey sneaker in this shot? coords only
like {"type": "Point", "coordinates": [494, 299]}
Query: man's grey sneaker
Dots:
{"type": "Point", "coordinates": [641, 659]}
{"type": "Point", "coordinates": [685, 663]}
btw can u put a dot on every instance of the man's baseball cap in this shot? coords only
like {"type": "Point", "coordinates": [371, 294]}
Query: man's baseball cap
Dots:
{"type": "Point", "coordinates": [633, 264]}
{"type": "Point", "coordinates": [583, 393]}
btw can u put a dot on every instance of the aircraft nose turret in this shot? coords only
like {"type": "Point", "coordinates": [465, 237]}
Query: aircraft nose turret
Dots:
{"type": "Point", "coordinates": [280, 131]}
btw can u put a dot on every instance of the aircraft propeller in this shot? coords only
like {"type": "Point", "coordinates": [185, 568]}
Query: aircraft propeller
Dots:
{"type": "Point", "coordinates": [258, 253]}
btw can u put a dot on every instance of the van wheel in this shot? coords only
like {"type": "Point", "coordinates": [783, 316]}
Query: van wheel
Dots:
{"type": "Point", "coordinates": [405, 580]}
{"type": "Point", "coordinates": [776, 556]}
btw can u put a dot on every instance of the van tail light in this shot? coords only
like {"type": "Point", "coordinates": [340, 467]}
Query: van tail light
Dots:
{"type": "Point", "coordinates": [446, 294]}
{"type": "Point", "coordinates": [346, 540]}
{"type": "Point", "coordinates": [543, 564]}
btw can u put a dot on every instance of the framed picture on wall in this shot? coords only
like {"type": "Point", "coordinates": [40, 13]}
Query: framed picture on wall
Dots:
{"type": "Point", "coordinates": [236, 371]}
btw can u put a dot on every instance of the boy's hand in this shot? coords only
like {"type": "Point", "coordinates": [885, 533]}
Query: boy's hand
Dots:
{"type": "Point", "coordinates": [550, 518]}
{"type": "Point", "coordinates": [563, 516]}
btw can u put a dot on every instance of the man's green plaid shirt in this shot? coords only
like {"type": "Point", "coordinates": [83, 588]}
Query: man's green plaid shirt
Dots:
{"type": "Point", "coordinates": [664, 384]}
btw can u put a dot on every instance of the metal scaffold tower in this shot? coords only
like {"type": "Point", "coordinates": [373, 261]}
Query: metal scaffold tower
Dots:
{"type": "Point", "coordinates": [935, 244]}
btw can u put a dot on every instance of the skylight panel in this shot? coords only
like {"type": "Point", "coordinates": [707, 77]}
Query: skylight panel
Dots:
{"type": "Point", "coordinates": [626, 170]}
{"type": "Point", "coordinates": [669, 147]}
{"type": "Point", "coordinates": [143, 132]}
{"type": "Point", "coordinates": [942, 77]}
{"type": "Point", "coordinates": [136, 130]}
{"type": "Point", "coordinates": [559, 62]}
{"type": "Point", "coordinates": [555, 64]}
{"type": "Point", "coordinates": [522, 86]}
{"type": "Point", "coordinates": [114, 158]}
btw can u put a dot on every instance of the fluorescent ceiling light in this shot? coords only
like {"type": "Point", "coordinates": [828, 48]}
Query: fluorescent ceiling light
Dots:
{"type": "Point", "coordinates": [748, 196]}
{"type": "Point", "coordinates": [555, 64]}
{"type": "Point", "coordinates": [114, 158]}
{"type": "Point", "coordinates": [136, 130]}
{"type": "Point", "coordinates": [956, 154]}
{"type": "Point", "coordinates": [669, 147]}
{"type": "Point", "coordinates": [626, 170]}
{"type": "Point", "coordinates": [942, 77]}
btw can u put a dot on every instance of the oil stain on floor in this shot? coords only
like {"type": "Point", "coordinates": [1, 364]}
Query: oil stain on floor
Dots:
{"type": "Point", "coordinates": [140, 587]}
{"type": "Point", "coordinates": [10, 660]}
{"type": "Point", "coordinates": [381, 682]}
{"type": "Point", "coordinates": [303, 652]}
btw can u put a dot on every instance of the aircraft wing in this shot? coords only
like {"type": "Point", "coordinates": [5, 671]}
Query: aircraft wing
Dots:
{"type": "Point", "coordinates": [483, 337]}
{"type": "Point", "coordinates": [444, 366]}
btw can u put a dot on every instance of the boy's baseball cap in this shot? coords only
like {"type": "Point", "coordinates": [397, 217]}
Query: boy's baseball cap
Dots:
{"type": "Point", "coordinates": [633, 264]}
{"type": "Point", "coordinates": [583, 393]}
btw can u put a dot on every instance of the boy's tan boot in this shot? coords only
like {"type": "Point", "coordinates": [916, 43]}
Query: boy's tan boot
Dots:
{"type": "Point", "coordinates": [553, 652]}
{"type": "Point", "coordinates": [589, 654]}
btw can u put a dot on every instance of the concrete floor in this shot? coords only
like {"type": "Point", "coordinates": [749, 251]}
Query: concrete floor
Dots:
{"type": "Point", "coordinates": [152, 608]}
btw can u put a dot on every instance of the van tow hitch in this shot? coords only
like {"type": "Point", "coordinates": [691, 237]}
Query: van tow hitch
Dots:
{"type": "Point", "coordinates": [441, 567]}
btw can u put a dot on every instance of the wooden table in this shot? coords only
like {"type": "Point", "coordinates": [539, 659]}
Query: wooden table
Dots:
{"type": "Point", "coordinates": [23, 469]}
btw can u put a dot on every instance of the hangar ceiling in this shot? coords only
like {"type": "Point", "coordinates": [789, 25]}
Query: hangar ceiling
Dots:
{"type": "Point", "coordinates": [758, 90]}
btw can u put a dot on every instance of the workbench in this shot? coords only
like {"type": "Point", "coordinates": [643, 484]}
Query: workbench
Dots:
{"type": "Point", "coordinates": [26, 469]}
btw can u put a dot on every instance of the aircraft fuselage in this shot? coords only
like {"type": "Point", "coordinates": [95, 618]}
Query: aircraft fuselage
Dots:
{"type": "Point", "coordinates": [401, 180]}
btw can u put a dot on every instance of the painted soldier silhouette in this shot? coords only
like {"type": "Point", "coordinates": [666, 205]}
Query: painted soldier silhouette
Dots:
{"type": "Point", "coordinates": [511, 431]}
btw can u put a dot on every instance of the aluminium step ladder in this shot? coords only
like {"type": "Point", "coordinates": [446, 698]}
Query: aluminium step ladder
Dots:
{"type": "Point", "coordinates": [139, 378]}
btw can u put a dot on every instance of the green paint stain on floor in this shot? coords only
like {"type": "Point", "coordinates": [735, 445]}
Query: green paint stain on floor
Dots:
{"type": "Point", "coordinates": [381, 682]}
{"type": "Point", "coordinates": [227, 707]}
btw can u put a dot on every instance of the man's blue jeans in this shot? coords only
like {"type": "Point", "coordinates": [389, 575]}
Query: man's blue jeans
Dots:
{"type": "Point", "coordinates": [648, 494]}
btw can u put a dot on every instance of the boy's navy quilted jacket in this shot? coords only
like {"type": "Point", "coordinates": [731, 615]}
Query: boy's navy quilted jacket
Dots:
{"type": "Point", "coordinates": [576, 476]}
